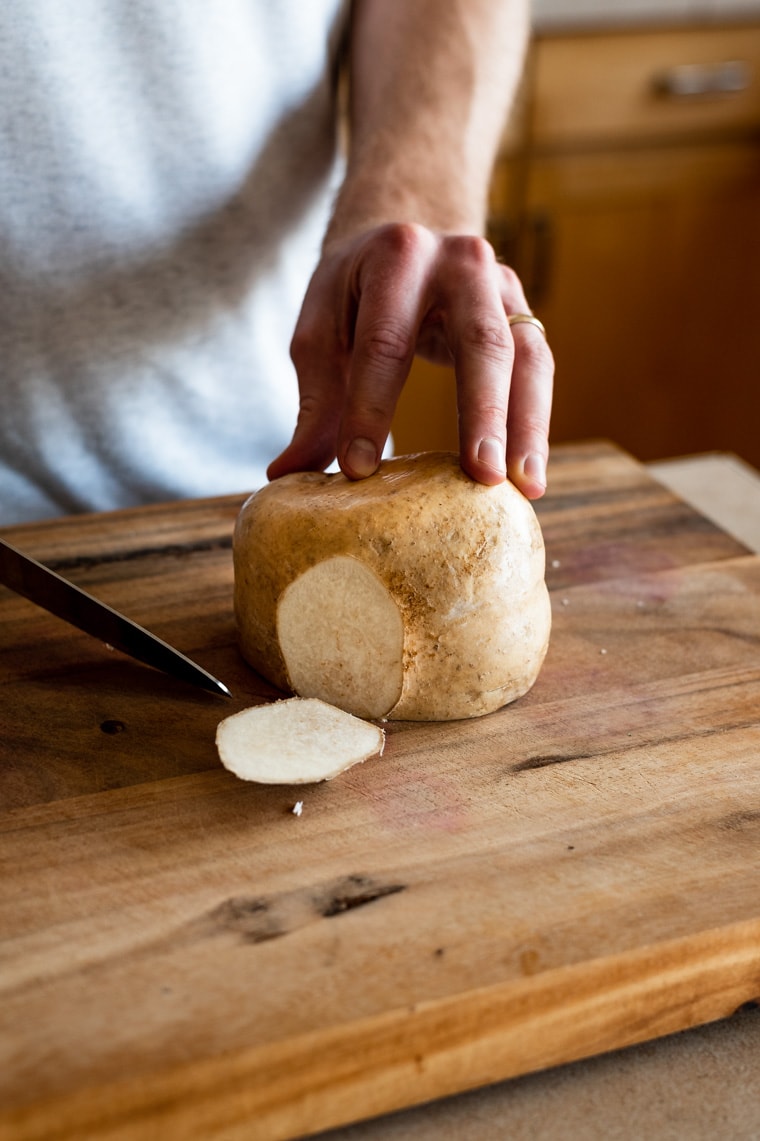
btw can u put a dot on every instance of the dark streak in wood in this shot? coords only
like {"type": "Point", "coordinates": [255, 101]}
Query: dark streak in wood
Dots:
{"type": "Point", "coordinates": [258, 919]}
{"type": "Point", "coordinates": [357, 892]}
{"type": "Point", "coordinates": [253, 918]}
{"type": "Point", "coordinates": [739, 821]}
{"type": "Point", "coordinates": [549, 759]}
{"type": "Point", "coordinates": [171, 550]}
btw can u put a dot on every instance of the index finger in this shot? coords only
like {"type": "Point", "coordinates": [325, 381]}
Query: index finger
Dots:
{"type": "Point", "coordinates": [391, 290]}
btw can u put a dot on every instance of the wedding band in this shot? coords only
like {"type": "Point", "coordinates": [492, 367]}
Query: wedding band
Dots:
{"type": "Point", "coordinates": [525, 319]}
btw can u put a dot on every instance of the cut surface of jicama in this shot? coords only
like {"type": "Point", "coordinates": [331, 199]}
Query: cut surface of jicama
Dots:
{"type": "Point", "coordinates": [342, 637]}
{"type": "Point", "coordinates": [295, 741]}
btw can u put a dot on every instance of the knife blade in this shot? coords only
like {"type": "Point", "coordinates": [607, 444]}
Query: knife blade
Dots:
{"type": "Point", "coordinates": [47, 589]}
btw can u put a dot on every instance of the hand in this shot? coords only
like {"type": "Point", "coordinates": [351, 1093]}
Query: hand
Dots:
{"type": "Point", "coordinates": [377, 299]}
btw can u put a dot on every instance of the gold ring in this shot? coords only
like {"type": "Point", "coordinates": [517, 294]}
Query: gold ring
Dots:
{"type": "Point", "coordinates": [525, 319]}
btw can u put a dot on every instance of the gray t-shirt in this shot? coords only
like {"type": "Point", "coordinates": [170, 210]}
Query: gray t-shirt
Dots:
{"type": "Point", "coordinates": [166, 172]}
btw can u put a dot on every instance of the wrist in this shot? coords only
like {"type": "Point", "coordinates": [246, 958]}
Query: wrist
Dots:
{"type": "Point", "coordinates": [377, 190]}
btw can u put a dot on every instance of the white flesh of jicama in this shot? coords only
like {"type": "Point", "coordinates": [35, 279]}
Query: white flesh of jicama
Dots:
{"type": "Point", "coordinates": [342, 637]}
{"type": "Point", "coordinates": [295, 741]}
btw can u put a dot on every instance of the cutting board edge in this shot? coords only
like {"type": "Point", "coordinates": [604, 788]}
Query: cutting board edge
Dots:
{"type": "Point", "coordinates": [415, 1054]}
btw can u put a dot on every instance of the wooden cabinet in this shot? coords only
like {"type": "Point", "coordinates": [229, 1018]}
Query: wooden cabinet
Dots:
{"type": "Point", "coordinates": [630, 205]}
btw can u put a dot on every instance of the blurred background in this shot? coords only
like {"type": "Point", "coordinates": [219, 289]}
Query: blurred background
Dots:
{"type": "Point", "coordinates": [627, 196]}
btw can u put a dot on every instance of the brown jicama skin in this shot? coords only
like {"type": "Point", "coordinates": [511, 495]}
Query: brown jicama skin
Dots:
{"type": "Point", "coordinates": [414, 594]}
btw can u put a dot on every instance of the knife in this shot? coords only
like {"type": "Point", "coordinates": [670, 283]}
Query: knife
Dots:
{"type": "Point", "coordinates": [49, 590]}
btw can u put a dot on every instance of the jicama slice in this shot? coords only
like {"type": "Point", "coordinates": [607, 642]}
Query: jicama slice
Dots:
{"type": "Point", "coordinates": [295, 741]}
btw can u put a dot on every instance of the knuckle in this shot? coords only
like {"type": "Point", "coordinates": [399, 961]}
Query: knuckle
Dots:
{"type": "Point", "coordinates": [371, 415]}
{"type": "Point", "coordinates": [309, 407]}
{"type": "Point", "coordinates": [510, 279]}
{"type": "Point", "coordinates": [471, 250]}
{"type": "Point", "coordinates": [492, 412]}
{"type": "Point", "coordinates": [535, 353]}
{"type": "Point", "coordinates": [387, 342]}
{"type": "Point", "coordinates": [302, 344]}
{"type": "Point", "coordinates": [488, 338]}
{"type": "Point", "coordinates": [403, 240]}
{"type": "Point", "coordinates": [317, 343]}
{"type": "Point", "coordinates": [534, 426]}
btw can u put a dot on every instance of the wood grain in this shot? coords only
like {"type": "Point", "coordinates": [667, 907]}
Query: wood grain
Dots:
{"type": "Point", "coordinates": [181, 956]}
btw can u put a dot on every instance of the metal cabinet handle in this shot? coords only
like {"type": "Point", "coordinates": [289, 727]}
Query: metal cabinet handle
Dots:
{"type": "Point", "coordinates": [693, 80]}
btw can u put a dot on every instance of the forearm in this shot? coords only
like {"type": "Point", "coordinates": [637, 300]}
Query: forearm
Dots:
{"type": "Point", "coordinates": [430, 87]}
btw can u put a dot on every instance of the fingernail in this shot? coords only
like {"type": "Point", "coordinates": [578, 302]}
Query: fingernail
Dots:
{"type": "Point", "coordinates": [361, 457]}
{"type": "Point", "coordinates": [491, 453]}
{"type": "Point", "coordinates": [535, 468]}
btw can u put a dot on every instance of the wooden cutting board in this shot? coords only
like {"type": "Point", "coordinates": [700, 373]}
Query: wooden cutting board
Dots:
{"type": "Point", "coordinates": [181, 956]}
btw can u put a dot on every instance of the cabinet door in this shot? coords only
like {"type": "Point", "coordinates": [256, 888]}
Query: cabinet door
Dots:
{"type": "Point", "coordinates": [645, 267]}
